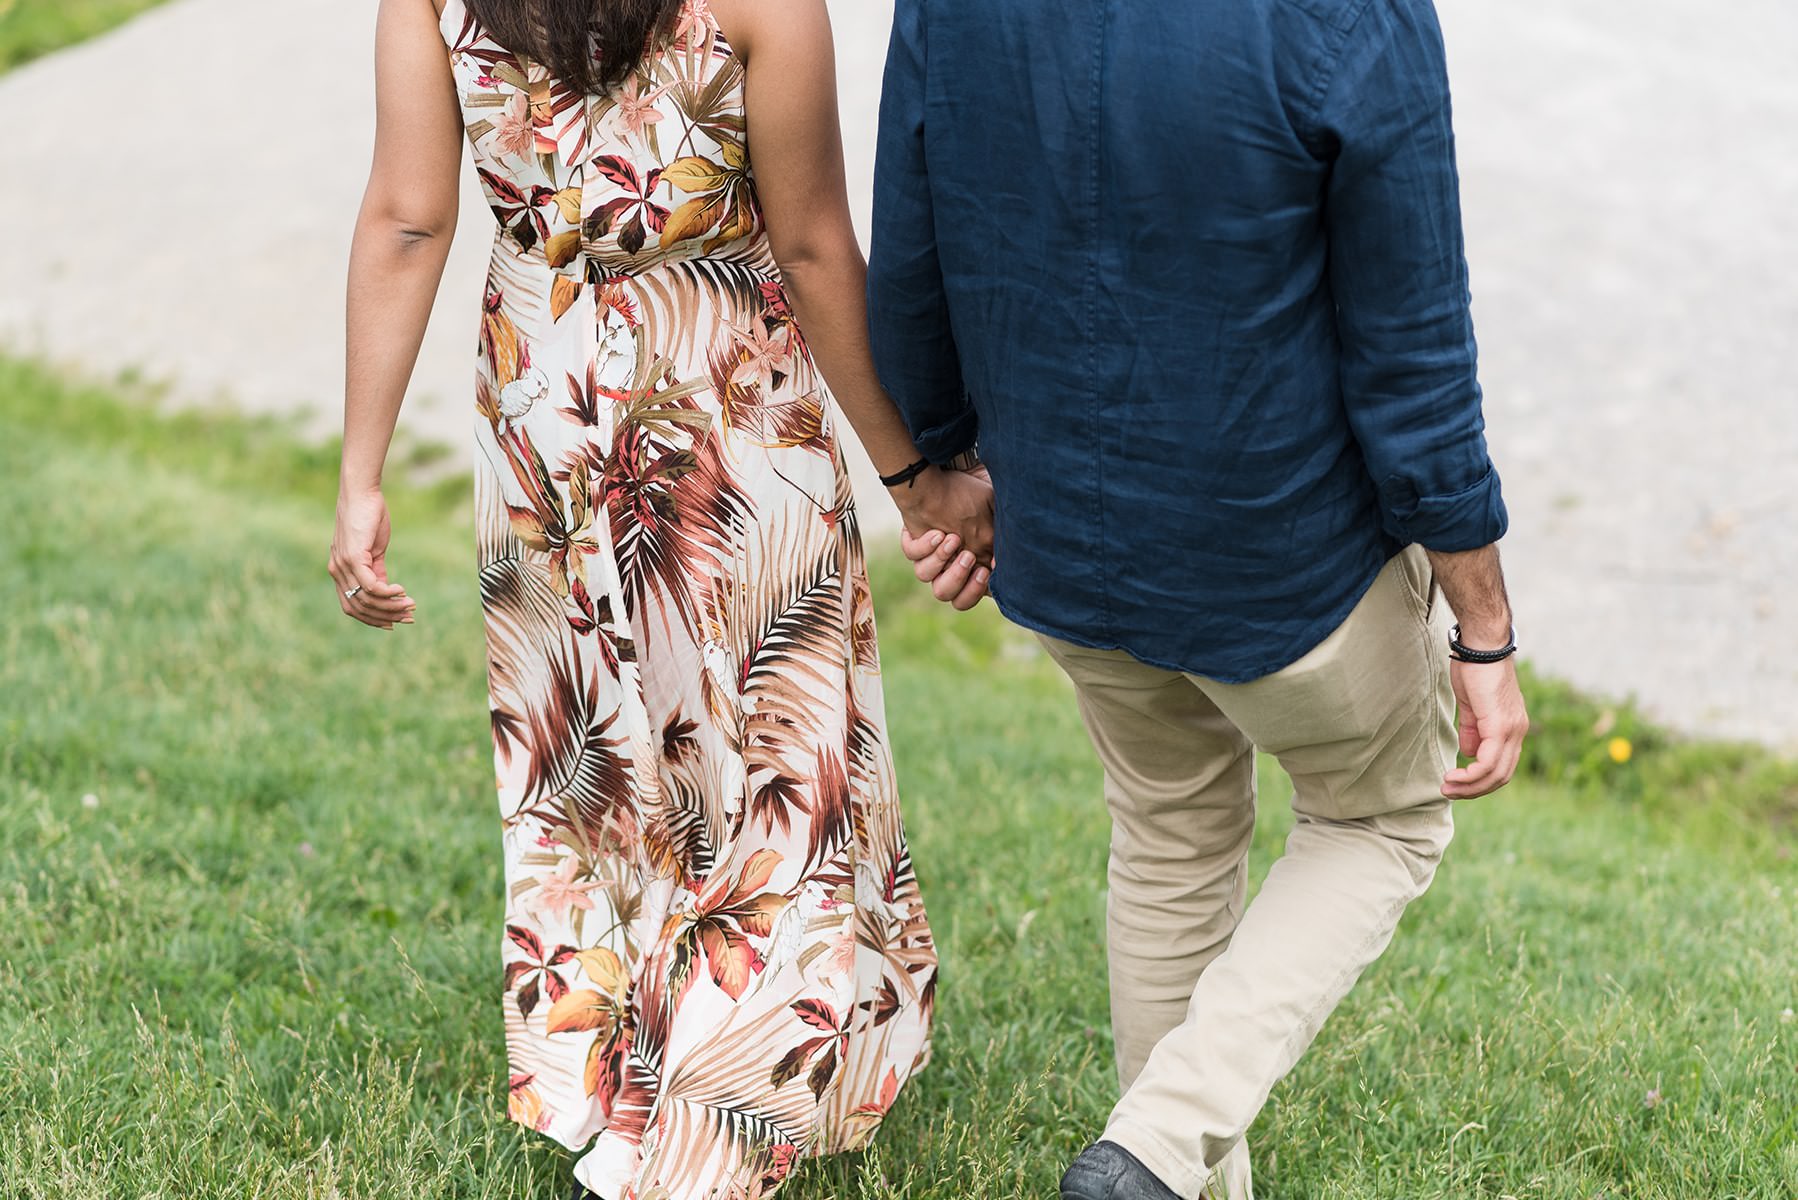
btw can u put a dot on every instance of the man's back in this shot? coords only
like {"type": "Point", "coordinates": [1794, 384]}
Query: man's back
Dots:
{"type": "Point", "coordinates": [1197, 271]}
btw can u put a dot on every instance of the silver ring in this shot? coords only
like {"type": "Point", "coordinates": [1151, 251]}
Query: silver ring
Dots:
{"type": "Point", "coordinates": [351, 594]}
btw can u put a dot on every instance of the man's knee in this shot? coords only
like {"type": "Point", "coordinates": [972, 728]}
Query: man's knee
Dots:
{"type": "Point", "coordinates": [1419, 836]}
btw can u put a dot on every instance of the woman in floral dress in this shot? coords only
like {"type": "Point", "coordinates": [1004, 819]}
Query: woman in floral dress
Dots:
{"type": "Point", "coordinates": [716, 959]}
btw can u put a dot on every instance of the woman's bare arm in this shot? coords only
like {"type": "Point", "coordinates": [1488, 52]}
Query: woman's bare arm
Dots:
{"type": "Point", "coordinates": [401, 242]}
{"type": "Point", "coordinates": [403, 231]}
{"type": "Point", "coordinates": [797, 151]}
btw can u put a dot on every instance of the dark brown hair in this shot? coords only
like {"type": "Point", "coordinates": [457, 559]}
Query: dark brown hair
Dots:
{"type": "Point", "coordinates": [590, 44]}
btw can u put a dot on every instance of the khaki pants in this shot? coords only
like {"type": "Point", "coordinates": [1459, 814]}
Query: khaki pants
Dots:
{"type": "Point", "coordinates": [1211, 1004]}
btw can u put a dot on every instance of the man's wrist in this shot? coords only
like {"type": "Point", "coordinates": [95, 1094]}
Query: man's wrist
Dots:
{"type": "Point", "coordinates": [1487, 634]}
{"type": "Point", "coordinates": [1461, 651]}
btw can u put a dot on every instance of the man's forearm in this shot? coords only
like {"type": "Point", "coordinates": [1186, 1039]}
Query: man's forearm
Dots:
{"type": "Point", "coordinates": [1474, 583]}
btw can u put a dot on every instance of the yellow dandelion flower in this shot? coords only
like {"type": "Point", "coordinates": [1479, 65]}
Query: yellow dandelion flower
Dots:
{"type": "Point", "coordinates": [1620, 750]}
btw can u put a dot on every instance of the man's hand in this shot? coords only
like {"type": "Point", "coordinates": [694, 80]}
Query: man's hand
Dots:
{"type": "Point", "coordinates": [1492, 716]}
{"type": "Point", "coordinates": [955, 576]}
{"type": "Point", "coordinates": [1493, 725]}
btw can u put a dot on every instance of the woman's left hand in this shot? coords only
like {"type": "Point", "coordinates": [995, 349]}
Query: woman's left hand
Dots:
{"type": "Point", "coordinates": [359, 562]}
{"type": "Point", "coordinates": [952, 573]}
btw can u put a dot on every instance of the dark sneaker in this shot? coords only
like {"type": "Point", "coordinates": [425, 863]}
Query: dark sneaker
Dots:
{"type": "Point", "coordinates": [581, 1193]}
{"type": "Point", "coordinates": [1107, 1171]}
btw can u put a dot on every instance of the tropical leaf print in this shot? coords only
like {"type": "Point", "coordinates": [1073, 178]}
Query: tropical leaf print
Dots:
{"type": "Point", "coordinates": [715, 959]}
{"type": "Point", "coordinates": [726, 916]}
{"type": "Point", "coordinates": [633, 214]}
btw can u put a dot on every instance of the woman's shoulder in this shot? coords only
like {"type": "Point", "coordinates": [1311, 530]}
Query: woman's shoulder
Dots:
{"type": "Point", "coordinates": [737, 20]}
{"type": "Point", "coordinates": [745, 23]}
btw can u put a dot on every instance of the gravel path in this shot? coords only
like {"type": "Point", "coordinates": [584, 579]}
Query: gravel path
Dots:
{"type": "Point", "coordinates": [1632, 207]}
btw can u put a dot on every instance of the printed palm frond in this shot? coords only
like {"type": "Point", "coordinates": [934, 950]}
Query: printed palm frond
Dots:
{"type": "Point", "coordinates": [548, 704]}
{"type": "Point", "coordinates": [634, 1102]}
{"type": "Point", "coordinates": [519, 283]}
{"type": "Point", "coordinates": [524, 623]}
{"type": "Point", "coordinates": [710, 104]}
{"type": "Point", "coordinates": [689, 296]}
{"type": "Point", "coordinates": [473, 42]}
{"type": "Point", "coordinates": [692, 824]}
{"type": "Point", "coordinates": [870, 762]}
{"type": "Point", "coordinates": [676, 838]}
{"type": "Point", "coordinates": [675, 514]}
{"type": "Point", "coordinates": [495, 542]}
{"type": "Point", "coordinates": [832, 810]}
{"type": "Point", "coordinates": [777, 799]}
{"type": "Point", "coordinates": [847, 517]}
{"type": "Point", "coordinates": [866, 1087]}
{"type": "Point", "coordinates": [705, 1141]}
{"type": "Point", "coordinates": [787, 624]}
{"type": "Point", "coordinates": [793, 417]}
{"type": "Point", "coordinates": [654, 1007]}
{"type": "Point", "coordinates": [577, 775]}
{"type": "Point", "coordinates": [880, 837]}
{"type": "Point", "coordinates": [899, 930]}
{"type": "Point", "coordinates": [719, 1096]}
{"type": "Point", "coordinates": [783, 628]}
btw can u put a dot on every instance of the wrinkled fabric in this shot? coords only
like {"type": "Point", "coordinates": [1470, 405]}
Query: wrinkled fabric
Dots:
{"type": "Point", "coordinates": [1192, 278]}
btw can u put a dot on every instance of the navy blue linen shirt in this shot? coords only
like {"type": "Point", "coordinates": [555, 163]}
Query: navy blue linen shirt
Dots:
{"type": "Point", "coordinates": [1191, 274]}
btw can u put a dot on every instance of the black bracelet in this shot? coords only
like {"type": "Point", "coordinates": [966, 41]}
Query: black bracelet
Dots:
{"type": "Point", "coordinates": [1461, 653]}
{"type": "Point", "coordinates": [907, 476]}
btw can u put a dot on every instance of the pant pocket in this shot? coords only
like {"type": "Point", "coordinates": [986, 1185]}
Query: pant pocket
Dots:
{"type": "Point", "coordinates": [1359, 724]}
{"type": "Point", "coordinates": [1418, 577]}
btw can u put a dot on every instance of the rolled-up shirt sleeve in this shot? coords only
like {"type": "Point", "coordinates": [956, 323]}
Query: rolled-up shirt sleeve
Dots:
{"type": "Point", "coordinates": [1398, 272]}
{"type": "Point", "coordinates": [913, 343]}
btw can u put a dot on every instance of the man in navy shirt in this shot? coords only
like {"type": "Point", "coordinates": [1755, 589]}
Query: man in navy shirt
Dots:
{"type": "Point", "coordinates": [1190, 280]}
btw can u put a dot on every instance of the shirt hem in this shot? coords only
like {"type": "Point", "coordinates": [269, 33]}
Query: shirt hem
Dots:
{"type": "Point", "coordinates": [1238, 675]}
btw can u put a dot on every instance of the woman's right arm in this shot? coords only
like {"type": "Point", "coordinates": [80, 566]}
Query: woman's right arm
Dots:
{"type": "Point", "coordinates": [401, 243]}
{"type": "Point", "coordinates": [796, 146]}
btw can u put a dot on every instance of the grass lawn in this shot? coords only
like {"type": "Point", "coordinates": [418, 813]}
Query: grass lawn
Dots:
{"type": "Point", "coordinates": [250, 891]}
{"type": "Point", "coordinates": [32, 28]}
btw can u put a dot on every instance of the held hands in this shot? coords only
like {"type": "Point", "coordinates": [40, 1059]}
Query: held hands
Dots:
{"type": "Point", "coordinates": [949, 532]}
{"type": "Point", "coordinates": [954, 575]}
{"type": "Point", "coordinates": [1493, 725]}
{"type": "Point", "coordinates": [358, 562]}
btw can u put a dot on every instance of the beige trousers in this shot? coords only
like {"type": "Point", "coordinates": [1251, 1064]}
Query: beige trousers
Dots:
{"type": "Point", "coordinates": [1212, 1004]}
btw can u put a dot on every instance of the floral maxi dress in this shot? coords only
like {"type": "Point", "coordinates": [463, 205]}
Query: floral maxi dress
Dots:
{"type": "Point", "coordinates": [716, 958]}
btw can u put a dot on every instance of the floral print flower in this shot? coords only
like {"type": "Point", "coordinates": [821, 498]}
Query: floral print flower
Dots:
{"type": "Point", "coordinates": [515, 135]}
{"type": "Point", "coordinates": [765, 352]}
{"type": "Point", "coordinates": [694, 22]}
{"type": "Point", "coordinates": [637, 108]}
{"type": "Point", "coordinates": [560, 892]}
